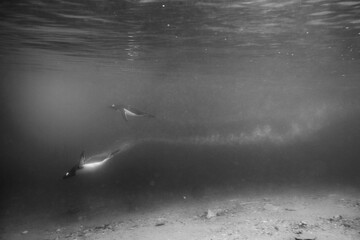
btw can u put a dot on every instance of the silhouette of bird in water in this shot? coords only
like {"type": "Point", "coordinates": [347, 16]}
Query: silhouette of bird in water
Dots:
{"type": "Point", "coordinates": [128, 111]}
{"type": "Point", "coordinates": [91, 162]}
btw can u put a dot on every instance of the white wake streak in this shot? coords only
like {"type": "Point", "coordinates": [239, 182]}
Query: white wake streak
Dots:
{"type": "Point", "coordinates": [306, 124]}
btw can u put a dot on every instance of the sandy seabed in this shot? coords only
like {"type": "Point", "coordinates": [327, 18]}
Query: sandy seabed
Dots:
{"type": "Point", "coordinates": [253, 212]}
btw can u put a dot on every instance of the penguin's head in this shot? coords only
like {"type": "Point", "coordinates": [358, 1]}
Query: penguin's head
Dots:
{"type": "Point", "coordinates": [70, 173]}
{"type": "Point", "coordinates": [113, 106]}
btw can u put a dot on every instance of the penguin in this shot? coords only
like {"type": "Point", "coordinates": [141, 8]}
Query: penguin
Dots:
{"type": "Point", "coordinates": [127, 111]}
{"type": "Point", "coordinates": [91, 162]}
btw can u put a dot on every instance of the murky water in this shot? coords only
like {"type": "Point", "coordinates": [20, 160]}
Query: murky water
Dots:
{"type": "Point", "coordinates": [241, 90]}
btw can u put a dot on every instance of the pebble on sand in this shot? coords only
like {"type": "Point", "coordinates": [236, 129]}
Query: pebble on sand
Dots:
{"type": "Point", "coordinates": [160, 222]}
{"type": "Point", "coordinates": [210, 214]}
{"type": "Point", "coordinates": [305, 236]}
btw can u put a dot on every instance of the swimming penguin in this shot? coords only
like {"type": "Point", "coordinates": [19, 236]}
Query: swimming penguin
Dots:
{"type": "Point", "coordinates": [90, 162]}
{"type": "Point", "coordinates": [130, 111]}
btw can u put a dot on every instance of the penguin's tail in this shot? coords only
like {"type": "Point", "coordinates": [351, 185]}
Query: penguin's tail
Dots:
{"type": "Point", "coordinates": [149, 115]}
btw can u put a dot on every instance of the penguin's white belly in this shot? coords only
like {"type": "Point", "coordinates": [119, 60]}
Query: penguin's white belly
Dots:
{"type": "Point", "coordinates": [93, 164]}
{"type": "Point", "coordinates": [95, 161]}
{"type": "Point", "coordinates": [127, 112]}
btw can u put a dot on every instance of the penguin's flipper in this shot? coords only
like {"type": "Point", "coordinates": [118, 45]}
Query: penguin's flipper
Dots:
{"type": "Point", "coordinates": [123, 114]}
{"type": "Point", "coordinates": [82, 159]}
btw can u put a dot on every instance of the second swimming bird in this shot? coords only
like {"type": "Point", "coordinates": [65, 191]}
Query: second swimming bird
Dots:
{"type": "Point", "coordinates": [127, 111]}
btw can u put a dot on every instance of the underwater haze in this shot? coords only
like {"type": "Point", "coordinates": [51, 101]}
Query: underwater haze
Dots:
{"type": "Point", "coordinates": [244, 93]}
